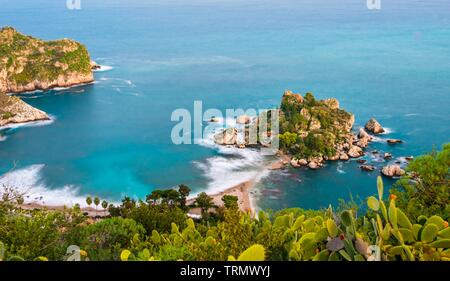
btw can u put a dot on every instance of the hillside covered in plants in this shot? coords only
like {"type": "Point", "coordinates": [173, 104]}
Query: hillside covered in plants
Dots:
{"type": "Point", "coordinates": [408, 222]}
{"type": "Point", "coordinates": [28, 63]}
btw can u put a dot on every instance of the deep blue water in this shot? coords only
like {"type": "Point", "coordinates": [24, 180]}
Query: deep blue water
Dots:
{"type": "Point", "coordinates": [112, 138]}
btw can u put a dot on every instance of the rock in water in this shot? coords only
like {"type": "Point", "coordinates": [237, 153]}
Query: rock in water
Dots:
{"type": "Point", "coordinates": [313, 165]}
{"type": "Point", "coordinates": [394, 141]}
{"type": "Point", "coordinates": [368, 168]}
{"type": "Point", "coordinates": [392, 171]}
{"type": "Point", "coordinates": [373, 126]}
{"type": "Point", "coordinates": [387, 156]}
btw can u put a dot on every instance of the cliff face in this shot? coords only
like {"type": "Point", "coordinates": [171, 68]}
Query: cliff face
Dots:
{"type": "Point", "coordinates": [27, 63]}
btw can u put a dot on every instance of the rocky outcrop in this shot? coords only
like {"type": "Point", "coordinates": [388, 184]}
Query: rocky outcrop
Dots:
{"type": "Point", "coordinates": [368, 168]}
{"type": "Point", "coordinates": [14, 110]}
{"type": "Point", "coordinates": [392, 171]}
{"type": "Point", "coordinates": [226, 137]}
{"type": "Point", "coordinates": [28, 64]}
{"type": "Point", "coordinates": [355, 151]}
{"type": "Point", "coordinates": [373, 126]}
{"type": "Point", "coordinates": [290, 97]}
{"type": "Point", "coordinates": [394, 141]}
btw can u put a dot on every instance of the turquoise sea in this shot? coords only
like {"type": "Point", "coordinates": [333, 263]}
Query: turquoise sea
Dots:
{"type": "Point", "coordinates": [112, 138]}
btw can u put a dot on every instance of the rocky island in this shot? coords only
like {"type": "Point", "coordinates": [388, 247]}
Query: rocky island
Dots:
{"type": "Point", "coordinates": [28, 64]}
{"type": "Point", "coordinates": [314, 131]}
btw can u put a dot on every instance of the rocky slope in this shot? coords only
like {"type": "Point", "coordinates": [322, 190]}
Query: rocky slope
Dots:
{"type": "Point", "coordinates": [14, 110]}
{"type": "Point", "coordinates": [28, 64]}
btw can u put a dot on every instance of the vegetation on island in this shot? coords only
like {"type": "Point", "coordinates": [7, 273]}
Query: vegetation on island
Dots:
{"type": "Point", "coordinates": [26, 59]}
{"type": "Point", "coordinates": [311, 127]}
{"type": "Point", "coordinates": [409, 222]}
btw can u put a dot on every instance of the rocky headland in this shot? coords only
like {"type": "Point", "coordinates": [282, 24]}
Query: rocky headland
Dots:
{"type": "Point", "coordinates": [28, 64]}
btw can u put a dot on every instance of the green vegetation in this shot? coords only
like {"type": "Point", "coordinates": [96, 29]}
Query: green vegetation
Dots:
{"type": "Point", "coordinates": [390, 228]}
{"type": "Point", "coordinates": [310, 127]}
{"type": "Point", "coordinates": [27, 59]}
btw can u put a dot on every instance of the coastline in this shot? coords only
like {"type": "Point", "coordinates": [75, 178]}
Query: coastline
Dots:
{"type": "Point", "coordinates": [242, 191]}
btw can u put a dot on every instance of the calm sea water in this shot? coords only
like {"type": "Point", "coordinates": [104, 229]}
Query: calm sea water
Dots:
{"type": "Point", "coordinates": [112, 138]}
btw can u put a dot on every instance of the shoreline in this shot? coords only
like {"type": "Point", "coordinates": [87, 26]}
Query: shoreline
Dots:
{"type": "Point", "coordinates": [242, 191]}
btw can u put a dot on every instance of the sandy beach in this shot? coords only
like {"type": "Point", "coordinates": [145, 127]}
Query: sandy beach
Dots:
{"type": "Point", "coordinates": [241, 191]}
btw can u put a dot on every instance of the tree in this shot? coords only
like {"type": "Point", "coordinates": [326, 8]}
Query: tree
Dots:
{"type": "Point", "coordinates": [230, 201]}
{"type": "Point", "coordinates": [184, 191]}
{"type": "Point", "coordinates": [104, 206]}
{"type": "Point", "coordinates": [89, 201]}
{"type": "Point", "coordinates": [205, 202]}
{"type": "Point", "coordinates": [425, 189]}
{"type": "Point", "coordinates": [96, 202]}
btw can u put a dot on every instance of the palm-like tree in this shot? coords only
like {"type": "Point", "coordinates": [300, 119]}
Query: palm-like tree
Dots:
{"type": "Point", "coordinates": [96, 202]}
{"type": "Point", "coordinates": [104, 206]}
{"type": "Point", "coordinates": [89, 201]}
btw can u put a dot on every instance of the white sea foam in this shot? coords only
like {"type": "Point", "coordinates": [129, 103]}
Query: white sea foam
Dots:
{"type": "Point", "coordinates": [232, 166]}
{"type": "Point", "coordinates": [29, 180]}
{"type": "Point", "coordinates": [104, 68]}
{"type": "Point", "coordinates": [339, 168]}
{"type": "Point", "coordinates": [3, 138]}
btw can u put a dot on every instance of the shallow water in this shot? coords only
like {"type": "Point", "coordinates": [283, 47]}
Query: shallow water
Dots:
{"type": "Point", "coordinates": [112, 138]}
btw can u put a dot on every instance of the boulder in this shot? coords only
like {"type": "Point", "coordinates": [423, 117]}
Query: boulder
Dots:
{"type": "Point", "coordinates": [334, 157]}
{"type": "Point", "coordinates": [373, 126]}
{"type": "Point", "coordinates": [343, 156]}
{"type": "Point", "coordinates": [368, 168]}
{"type": "Point", "coordinates": [392, 171]}
{"type": "Point", "coordinates": [361, 161]}
{"type": "Point", "coordinates": [313, 165]}
{"type": "Point", "coordinates": [294, 163]}
{"type": "Point", "coordinates": [409, 158]}
{"type": "Point", "coordinates": [302, 162]}
{"type": "Point", "coordinates": [355, 151]}
{"type": "Point", "coordinates": [394, 141]}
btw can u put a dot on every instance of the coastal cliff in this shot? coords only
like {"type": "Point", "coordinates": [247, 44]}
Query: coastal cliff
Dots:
{"type": "Point", "coordinates": [14, 110]}
{"type": "Point", "coordinates": [28, 64]}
